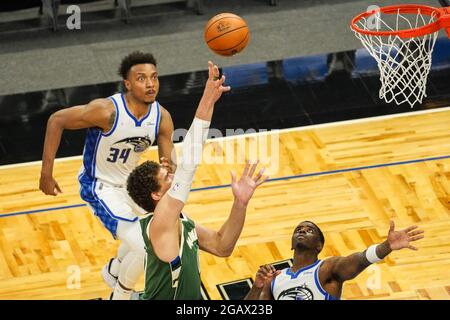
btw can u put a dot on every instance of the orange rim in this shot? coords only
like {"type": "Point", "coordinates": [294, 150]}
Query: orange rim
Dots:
{"type": "Point", "coordinates": [442, 20]}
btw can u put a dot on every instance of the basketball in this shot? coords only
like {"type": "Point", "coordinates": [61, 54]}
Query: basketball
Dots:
{"type": "Point", "coordinates": [227, 34]}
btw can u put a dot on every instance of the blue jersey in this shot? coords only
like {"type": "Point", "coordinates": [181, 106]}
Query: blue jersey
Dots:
{"type": "Point", "coordinates": [301, 285]}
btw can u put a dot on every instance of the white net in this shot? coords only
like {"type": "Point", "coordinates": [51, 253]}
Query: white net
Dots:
{"type": "Point", "coordinates": [404, 63]}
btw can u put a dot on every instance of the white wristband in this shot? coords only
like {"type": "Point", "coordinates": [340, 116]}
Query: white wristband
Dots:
{"type": "Point", "coordinates": [192, 146]}
{"type": "Point", "coordinates": [371, 254]}
{"type": "Point", "coordinates": [180, 189]}
{"type": "Point", "coordinates": [191, 155]}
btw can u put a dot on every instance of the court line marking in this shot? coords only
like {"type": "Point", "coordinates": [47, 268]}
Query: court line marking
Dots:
{"type": "Point", "coordinates": [313, 174]}
{"type": "Point", "coordinates": [42, 210]}
{"type": "Point", "coordinates": [262, 133]}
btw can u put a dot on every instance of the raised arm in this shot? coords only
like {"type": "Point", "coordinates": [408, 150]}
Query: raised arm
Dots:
{"type": "Point", "coordinates": [164, 229]}
{"type": "Point", "coordinates": [98, 113]}
{"type": "Point", "coordinates": [221, 243]}
{"type": "Point", "coordinates": [346, 268]}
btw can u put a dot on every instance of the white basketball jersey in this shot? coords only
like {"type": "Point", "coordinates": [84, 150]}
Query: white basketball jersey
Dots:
{"type": "Point", "coordinates": [301, 285]}
{"type": "Point", "coordinates": [110, 157]}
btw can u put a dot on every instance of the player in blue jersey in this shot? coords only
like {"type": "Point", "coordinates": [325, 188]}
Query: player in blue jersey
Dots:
{"type": "Point", "coordinates": [120, 129]}
{"type": "Point", "coordinates": [312, 279]}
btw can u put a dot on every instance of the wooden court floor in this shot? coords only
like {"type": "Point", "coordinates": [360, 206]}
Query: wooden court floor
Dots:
{"type": "Point", "coordinates": [350, 178]}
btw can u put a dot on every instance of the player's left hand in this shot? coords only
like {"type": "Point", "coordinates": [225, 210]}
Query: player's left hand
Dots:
{"type": "Point", "coordinates": [244, 188]}
{"type": "Point", "coordinates": [265, 275]}
{"type": "Point", "coordinates": [401, 239]}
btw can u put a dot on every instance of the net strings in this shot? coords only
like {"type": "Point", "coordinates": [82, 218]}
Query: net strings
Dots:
{"type": "Point", "coordinates": [404, 64]}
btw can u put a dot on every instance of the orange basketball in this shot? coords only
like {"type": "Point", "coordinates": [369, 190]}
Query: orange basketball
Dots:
{"type": "Point", "coordinates": [226, 34]}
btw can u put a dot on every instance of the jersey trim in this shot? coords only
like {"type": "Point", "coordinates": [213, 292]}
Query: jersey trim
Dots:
{"type": "Point", "coordinates": [180, 255]}
{"type": "Point", "coordinates": [319, 286]}
{"type": "Point", "coordinates": [92, 141]}
{"type": "Point", "coordinates": [136, 121]}
{"type": "Point", "coordinates": [316, 279]}
{"type": "Point", "coordinates": [295, 275]}
{"type": "Point", "coordinates": [116, 120]}
{"type": "Point", "coordinates": [175, 261]}
{"type": "Point", "coordinates": [273, 284]}
{"type": "Point", "coordinates": [158, 118]}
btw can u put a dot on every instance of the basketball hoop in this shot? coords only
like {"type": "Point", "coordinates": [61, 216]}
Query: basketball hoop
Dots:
{"type": "Point", "coordinates": [401, 38]}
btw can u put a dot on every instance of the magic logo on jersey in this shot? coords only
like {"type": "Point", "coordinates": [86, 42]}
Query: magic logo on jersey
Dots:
{"type": "Point", "coordinates": [140, 144]}
{"type": "Point", "coordinates": [297, 293]}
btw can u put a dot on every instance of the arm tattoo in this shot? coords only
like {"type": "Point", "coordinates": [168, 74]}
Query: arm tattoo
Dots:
{"type": "Point", "coordinates": [111, 119]}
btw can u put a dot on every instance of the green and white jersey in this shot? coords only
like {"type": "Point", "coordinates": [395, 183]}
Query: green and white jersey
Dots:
{"type": "Point", "coordinates": [179, 279]}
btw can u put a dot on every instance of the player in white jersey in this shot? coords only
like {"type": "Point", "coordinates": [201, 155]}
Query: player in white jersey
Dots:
{"type": "Point", "coordinates": [120, 129]}
{"type": "Point", "coordinates": [312, 279]}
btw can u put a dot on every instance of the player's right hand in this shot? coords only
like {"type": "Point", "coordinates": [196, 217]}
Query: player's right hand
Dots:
{"type": "Point", "coordinates": [265, 274]}
{"type": "Point", "coordinates": [244, 188]}
{"type": "Point", "coordinates": [214, 85]}
{"type": "Point", "coordinates": [166, 164]}
{"type": "Point", "coordinates": [48, 185]}
{"type": "Point", "coordinates": [402, 239]}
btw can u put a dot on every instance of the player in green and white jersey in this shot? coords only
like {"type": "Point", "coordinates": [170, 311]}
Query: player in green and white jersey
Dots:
{"type": "Point", "coordinates": [172, 240]}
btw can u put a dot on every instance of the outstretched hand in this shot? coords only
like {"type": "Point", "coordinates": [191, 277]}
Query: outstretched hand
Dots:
{"type": "Point", "coordinates": [401, 239]}
{"type": "Point", "coordinates": [48, 185]}
{"type": "Point", "coordinates": [265, 275]}
{"type": "Point", "coordinates": [244, 188]}
{"type": "Point", "coordinates": [214, 85]}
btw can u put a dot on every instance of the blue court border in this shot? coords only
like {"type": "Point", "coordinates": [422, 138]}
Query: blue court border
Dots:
{"type": "Point", "coordinates": [314, 174]}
